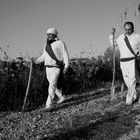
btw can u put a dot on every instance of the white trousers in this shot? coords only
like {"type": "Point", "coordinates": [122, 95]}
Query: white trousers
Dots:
{"type": "Point", "coordinates": [130, 76]}
{"type": "Point", "coordinates": [52, 76]}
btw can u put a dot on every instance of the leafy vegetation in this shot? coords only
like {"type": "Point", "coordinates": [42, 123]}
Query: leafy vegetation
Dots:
{"type": "Point", "coordinates": [83, 75]}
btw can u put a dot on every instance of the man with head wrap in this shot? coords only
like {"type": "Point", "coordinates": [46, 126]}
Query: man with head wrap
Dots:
{"type": "Point", "coordinates": [56, 59]}
{"type": "Point", "coordinates": [129, 47]}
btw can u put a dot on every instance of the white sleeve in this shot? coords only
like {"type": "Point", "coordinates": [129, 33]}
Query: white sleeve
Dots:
{"type": "Point", "coordinates": [139, 40]}
{"type": "Point", "coordinates": [65, 55]}
{"type": "Point", "coordinates": [42, 57]}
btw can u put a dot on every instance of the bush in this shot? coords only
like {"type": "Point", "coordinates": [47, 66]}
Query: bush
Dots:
{"type": "Point", "coordinates": [83, 75]}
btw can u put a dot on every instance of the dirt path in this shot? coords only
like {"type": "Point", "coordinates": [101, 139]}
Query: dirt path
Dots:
{"type": "Point", "coordinates": [89, 116]}
{"type": "Point", "coordinates": [119, 124]}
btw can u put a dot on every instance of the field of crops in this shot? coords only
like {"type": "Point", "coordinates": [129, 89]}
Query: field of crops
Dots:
{"type": "Point", "coordinates": [83, 75]}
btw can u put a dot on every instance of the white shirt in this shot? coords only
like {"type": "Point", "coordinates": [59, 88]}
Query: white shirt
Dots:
{"type": "Point", "coordinates": [60, 52]}
{"type": "Point", "coordinates": [134, 40]}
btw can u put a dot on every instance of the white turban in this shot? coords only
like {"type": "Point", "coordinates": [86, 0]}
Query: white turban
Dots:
{"type": "Point", "coordinates": [52, 31]}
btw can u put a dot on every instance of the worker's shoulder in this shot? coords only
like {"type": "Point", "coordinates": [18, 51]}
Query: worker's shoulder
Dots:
{"type": "Point", "coordinates": [136, 35]}
{"type": "Point", "coordinates": [120, 36]}
{"type": "Point", "coordinates": [60, 42]}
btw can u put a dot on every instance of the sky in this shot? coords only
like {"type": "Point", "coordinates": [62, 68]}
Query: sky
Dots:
{"type": "Point", "coordinates": [84, 25]}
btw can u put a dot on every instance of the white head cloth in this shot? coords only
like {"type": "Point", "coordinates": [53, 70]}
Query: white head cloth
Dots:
{"type": "Point", "coordinates": [52, 31]}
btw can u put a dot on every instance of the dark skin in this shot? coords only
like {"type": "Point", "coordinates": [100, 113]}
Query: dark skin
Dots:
{"type": "Point", "coordinates": [51, 36]}
{"type": "Point", "coordinates": [128, 29]}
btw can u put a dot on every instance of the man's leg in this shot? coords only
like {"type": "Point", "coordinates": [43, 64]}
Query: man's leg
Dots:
{"type": "Point", "coordinates": [60, 96]}
{"type": "Point", "coordinates": [128, 71]}
{"type": "Point", "coordinates": [131, 94]}
{"type": "Point", "coordinates": [59, 87]}
{"type": "Point", "coordinates": [52, 75]}
{"type": "Point", "coordinates": [133, 91]}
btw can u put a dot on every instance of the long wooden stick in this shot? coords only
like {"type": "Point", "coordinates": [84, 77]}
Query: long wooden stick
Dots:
{"type": "Point", "coordinates": [27, 90]}
{"type": "Point", "coordinates": [114, 71]}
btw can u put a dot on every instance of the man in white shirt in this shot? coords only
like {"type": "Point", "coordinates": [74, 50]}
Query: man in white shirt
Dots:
{"type": "Point", "coordinates": [55, 56]}
{"type": "Point", "coordinates": [128, 59]}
